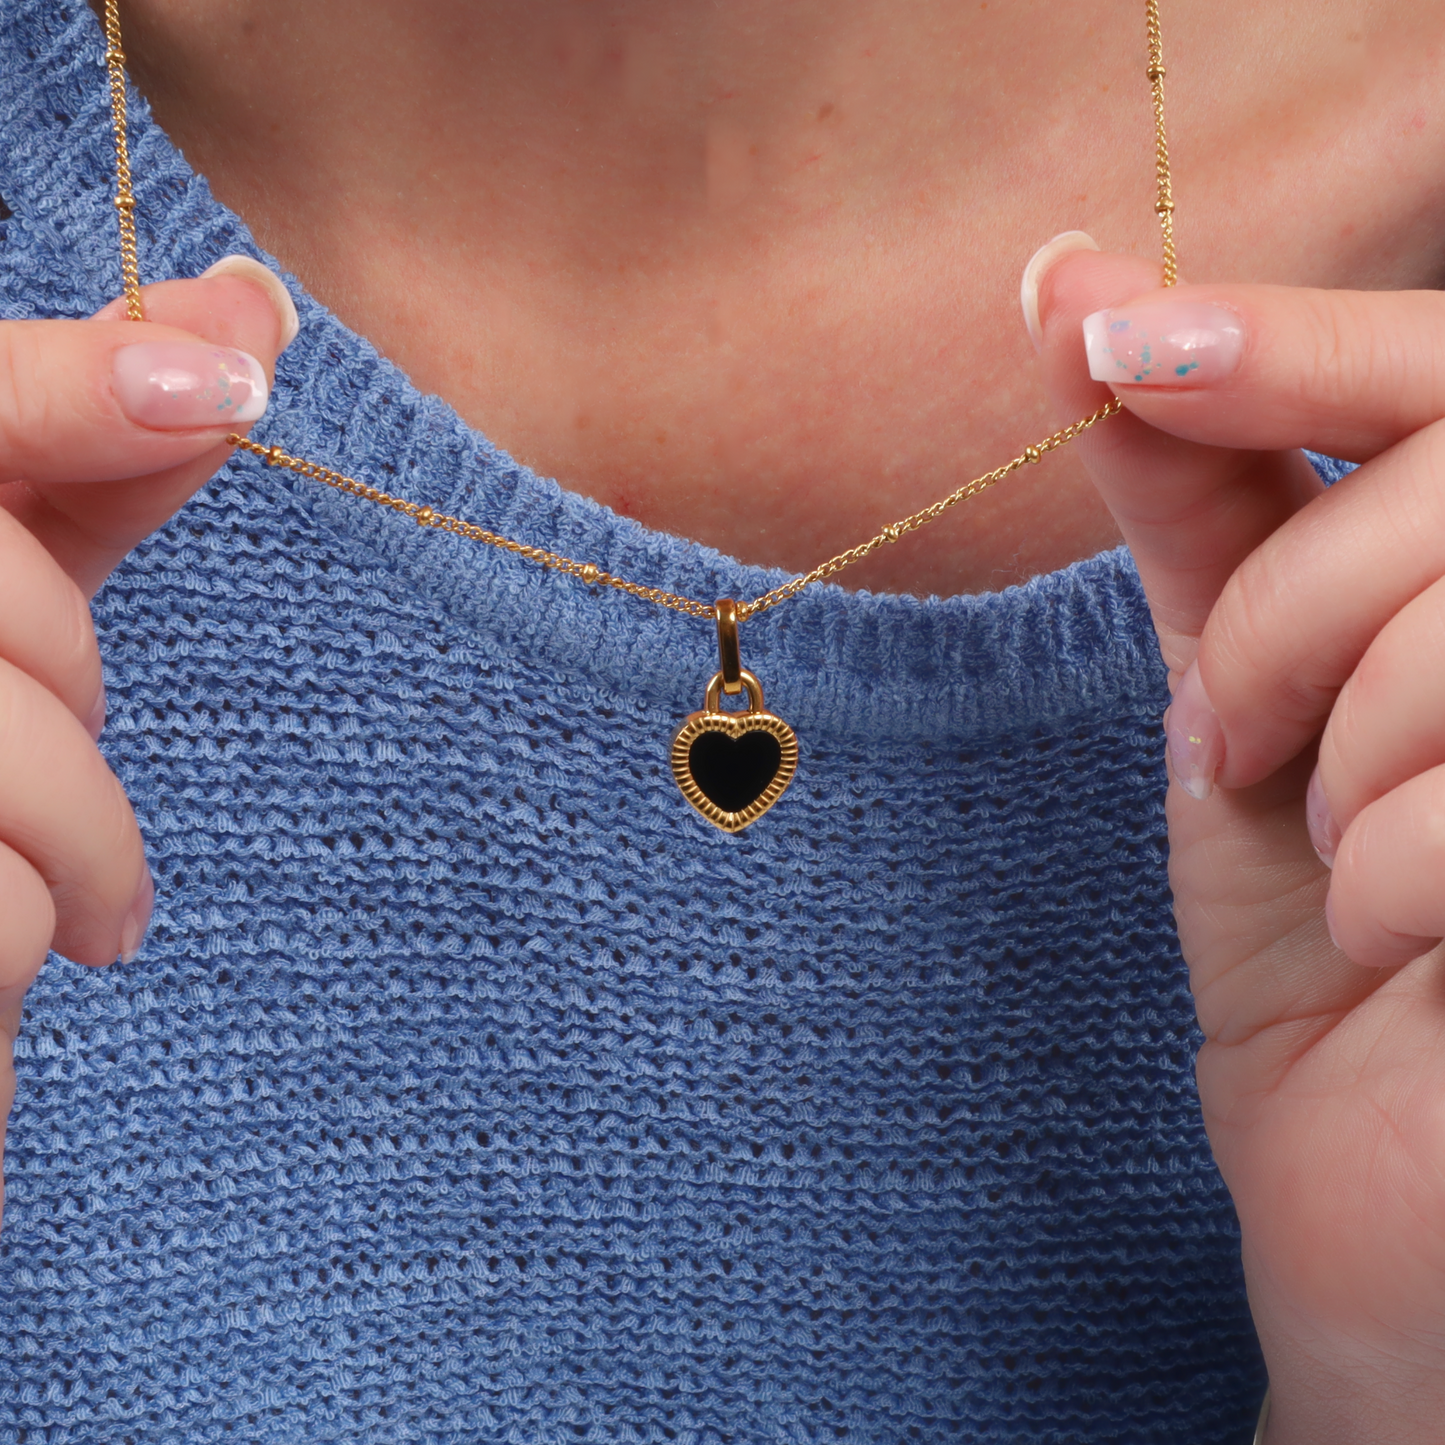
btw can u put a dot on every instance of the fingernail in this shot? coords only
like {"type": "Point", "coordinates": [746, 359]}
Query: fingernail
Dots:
{"type": "Point", "coordinates": [1196, 741]}
{"type": "Point", "coordinates": [1040, 263]}
{"type": "Point", "coordinates": [1164, 343]}
{"type": "Point", "coordinates": [181, 385]}
{"type": "Point", "coordinates": [95, 723]}
{"type": "Point", "coordinates": [1324, 831]}
{"type": "Point", "coordinates": [133, 930]}
{"type": "Point", "coordinates": [249, 269]}
{"type": "Point", "coordinates": [1330, 920]}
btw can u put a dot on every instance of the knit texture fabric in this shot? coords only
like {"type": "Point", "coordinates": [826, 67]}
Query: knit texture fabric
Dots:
{"type": "Point", "coordinates": [469, 1087]}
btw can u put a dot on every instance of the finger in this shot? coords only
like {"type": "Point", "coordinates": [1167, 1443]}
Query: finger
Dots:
{"type": "Point", "coordinates": [246, 268]}
{"type": "Point", "coordinates": [11, 1002]}
{"type": "Point", "coordinates": [102, 436]}
{"type": "Point", "coordinates": [45, 626]}
{"type": "Point", "coordinates": [97, 401]}
{"type": "Point", "coordinates": [1250, 916]}
{"type": "Point", "coordinates": [28, 912]}
{"type": "Point", "coordinates": [1296, 618]}
{"type": "Point", "coordinates": [1189, 512]}
{"type": "Point", "coordinates": [1386, 724]}
{"type": "Point", "coordinates": [1270, 368]}
{"type": "Point", "coordinates": [64, 812]}
{"type": "Point", "coordinates": [1386, 905]}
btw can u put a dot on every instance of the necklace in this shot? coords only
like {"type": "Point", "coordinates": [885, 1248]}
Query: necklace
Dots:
{"type": "Point", "coordinates": [730, 765]}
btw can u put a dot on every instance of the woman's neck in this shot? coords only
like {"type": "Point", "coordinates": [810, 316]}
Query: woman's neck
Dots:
{"type": "Point", "coordinates": [749, 272]}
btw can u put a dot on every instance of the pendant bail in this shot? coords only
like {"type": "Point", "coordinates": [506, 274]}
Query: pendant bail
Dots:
{"type": "Point", "coordinates": [729, 660]}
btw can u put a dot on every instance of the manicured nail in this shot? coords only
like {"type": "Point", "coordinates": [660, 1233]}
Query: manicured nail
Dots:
{"type": "Point", "coordinates": [1196, 740]}
{"type": "Point", "coordinates": [1324, 831]}
{"type": "Point", "coordinates": [1330, 919]}
{"type": "Point", "coordinates": [133, 930]}
{"type": "Point", "coordinates": [249, 269]}
{"type": "Point", "coordinates": [95, 723]}
{"type": "Point", "coordinates": [181, 385]}
{"type": "Point", "coordinates": [1164, 343]}
{"type": "Point", "coordinates": [1040, 263]}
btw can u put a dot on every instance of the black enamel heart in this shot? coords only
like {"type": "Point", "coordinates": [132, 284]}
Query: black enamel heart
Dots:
{"type": "Point", "coordinates": [733, 772]}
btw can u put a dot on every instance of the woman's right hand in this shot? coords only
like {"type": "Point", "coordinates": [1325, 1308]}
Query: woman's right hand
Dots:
{"type": "Point", "coordinates": [106, 427]}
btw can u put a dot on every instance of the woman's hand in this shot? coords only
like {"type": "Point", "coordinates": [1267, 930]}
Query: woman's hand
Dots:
{"type": "Point", "coordinates": [1297, 621]}
{"type": "Point", "coordinates": [106, 427]}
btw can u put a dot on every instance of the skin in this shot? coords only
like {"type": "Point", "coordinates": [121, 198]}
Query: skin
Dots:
{"type": "Point", "coordinates": [594, 237]}
{"type": "Point", "coordinates": [748, 272]}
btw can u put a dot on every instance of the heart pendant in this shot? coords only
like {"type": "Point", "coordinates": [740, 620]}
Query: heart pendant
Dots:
{"type": "Point", "coordinates": [733, 766]}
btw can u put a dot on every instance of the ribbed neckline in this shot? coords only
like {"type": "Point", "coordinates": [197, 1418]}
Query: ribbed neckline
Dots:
{"type": "Point", "coordinates": [849, 666]}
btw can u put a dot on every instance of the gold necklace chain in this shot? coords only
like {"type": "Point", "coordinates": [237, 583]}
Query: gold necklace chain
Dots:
{"type": "Point", "coordinates": [589, 572]}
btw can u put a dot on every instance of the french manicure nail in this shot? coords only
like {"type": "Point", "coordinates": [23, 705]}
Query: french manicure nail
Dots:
{"type": "Point", "coordinates": [133, 930]}
{"type": "Point", "coordinates": [249, 269]}
{"type": "Point", "coordinates": [1039, 265]}
{"type": "Point", "coordinates": [1324, 831]}
{"type": "Point", "coordinates": [1196, 740]}
{"type": "Point", "coordinates": [95, 723]}
{"type": "Point", "coordinates": [182, 385]}
{"type": "Point", "coordinates": [1164, 343]}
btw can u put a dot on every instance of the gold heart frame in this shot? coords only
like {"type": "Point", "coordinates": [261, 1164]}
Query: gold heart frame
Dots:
{"type": "Point", "coordinates": [733, 725]}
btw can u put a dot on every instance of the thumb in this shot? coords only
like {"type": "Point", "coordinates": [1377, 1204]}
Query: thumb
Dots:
{"type": "Point", "coordinates": [1190, 513]}
{"type": "Point", "coordinates": [89, 526]}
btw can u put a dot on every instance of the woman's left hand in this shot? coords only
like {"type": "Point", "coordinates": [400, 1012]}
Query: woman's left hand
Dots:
{"type": "Point", "coordinates": [1299, 623]}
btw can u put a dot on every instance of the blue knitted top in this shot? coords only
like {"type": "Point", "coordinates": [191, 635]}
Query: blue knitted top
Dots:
{"type": "Point", "coordinates": [470, 1087]}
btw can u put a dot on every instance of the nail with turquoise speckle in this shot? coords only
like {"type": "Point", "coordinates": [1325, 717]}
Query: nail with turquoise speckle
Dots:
{"type": "Point", "coordinates": [1164, 343]}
